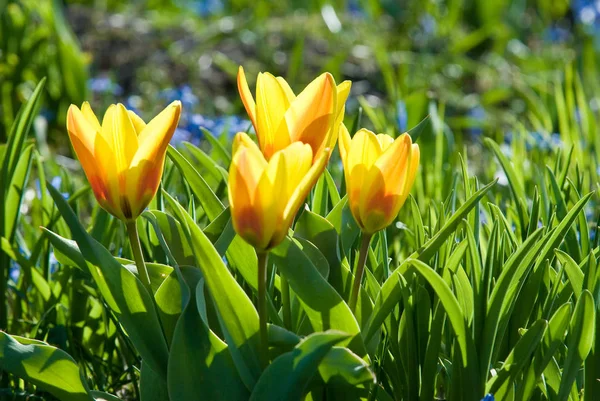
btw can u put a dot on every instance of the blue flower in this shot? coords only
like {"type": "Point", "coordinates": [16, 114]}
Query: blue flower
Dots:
{"type": "Point", "coordinates": [401, 116]}
{"type": "Point", "coordinates": [14, 271]}
{"type": "Point", "coordinates": [104, 85]}
{"type": "Point", "coordinates": [488, 397]}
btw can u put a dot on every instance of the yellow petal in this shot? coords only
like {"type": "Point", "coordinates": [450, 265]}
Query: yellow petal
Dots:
{"type": "Point", "coordinates": [310, 115]}
{"type": "Point", "coordinates": [286, 89]}
{"type": "Point", "coordinates": [118, 130]}
{"type": "Point", "coordinates": [137, 121]}
{"type": "Point", "coordinates": [92, 150]}
{"type": "Point", "coordinates": [246, 96]}
{"type": "Point", "coordinates": [271, 106]}
{"type": "Point", "coordinates": [384, 141]}
{"type": "Point", "coordinates": [363, 151]}
{"type": "Point", "coordinates": [306, 179]}
{"type": "Point", "coordinates": [246, 170]}
{"type": "Point", "coordinates": [87, 111]}
{"type": "Point", "coordinates": [146, 166]}
{"type": "Point", "coordinates": [415, 156]}
{"type": "Point", "coordinates": [383, 186]}
{"type": "Point", "coordinates": [343, 90]}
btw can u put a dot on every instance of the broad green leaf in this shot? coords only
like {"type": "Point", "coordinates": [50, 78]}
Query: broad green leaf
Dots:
{"type": "Point", "coordinates": [43, 365]}
{"type": "Point", "coordinates": [323, 305]}
{"type": "Point", "coordinates": [579, 343]}
{"type": "Point", "coordinates": [122, 290]}
{"type": "Point", "coordinates": [210, 203]}
{"type": "Point", "coordinates": [238, 316]}
{"type": "Point", "coordinates": [199, 362]}
{"type": "Point", "coordinates": [15, 192]}
{"type": "Point", "coordinates": [288, 375]}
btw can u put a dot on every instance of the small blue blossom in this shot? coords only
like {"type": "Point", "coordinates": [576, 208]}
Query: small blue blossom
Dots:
{"type": "Point", "coordinates": [14, 271]}
{"type": "Point", "coordinates": [477, 116]}
{"type": "Point", "coordinates": [488, 397]}
{"type": "Point", "coordinates": [203, 8]}
{"type": "Point", "coordinates": [401, 116]}
{"type": "Point", "coordinates": [104, 85]}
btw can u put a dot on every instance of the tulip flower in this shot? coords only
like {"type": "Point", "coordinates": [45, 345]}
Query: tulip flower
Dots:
{"type": "Point", "coordinates": [281, 118]}
{"type": "Point", "coordinates": [264, 196]}
{"type": "Point", "coordinates": [123, 158]}
{"type": "Point", "coordinates": [379, 173]}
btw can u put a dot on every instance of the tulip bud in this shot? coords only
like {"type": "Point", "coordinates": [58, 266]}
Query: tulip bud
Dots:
{"type": "Point", "coordinates": [379, 173]}
{"type": "Point", "coordinates": [123, 158]}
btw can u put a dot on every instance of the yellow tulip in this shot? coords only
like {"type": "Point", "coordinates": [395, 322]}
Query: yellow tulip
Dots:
{"type": "Point", "coordinates": [264, 196]}
{"type": "Point", "coordinates": [281, 118]}
{"type": "Point", "coordinates": [379, 173]}
{"type": "Point", "coordinates": [123, 158]}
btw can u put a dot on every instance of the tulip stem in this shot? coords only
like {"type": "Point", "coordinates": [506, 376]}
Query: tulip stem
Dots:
{"type": "Point", "coordinates": [136, 247]}
{"type": "Point", "coordinates": [285, 303]}
{"type": "Point", "coordinates": [360, 268]}
{"type": "Point", "coordinates": [262, 307]}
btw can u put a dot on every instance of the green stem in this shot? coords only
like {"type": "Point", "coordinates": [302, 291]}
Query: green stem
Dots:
{"type": "Point", "coordinates": [136, 247]}
{"type": "Point", "coordinates": [262, 306]}
{"type": "Point", "coordinates": [285, 300]}
{"type": "Point", "coordinates": [360, 268]}
{"type": "Point", "coordinates": [4, 266]}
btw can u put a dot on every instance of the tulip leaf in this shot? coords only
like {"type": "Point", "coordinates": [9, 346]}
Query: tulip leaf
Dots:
{"type": "Point", "coordinates": [199, 362]}
{"type": "Point", "coordinates": [341, 364]}
{"type": "Point", "coordinates": [123, 291]}
{"type": "Point", "coordinates": [16, 190]}
{"type": "Point", "coordinates": [579, 343]}
{"type": "Point", "coordinates": [219, 173]}
{"type": "Point", "coordinates": [43, 365]}
{"type": "Point", "coordinates": [174, 236]}
{"type": "Point", "coordinates": [324, 307]}
{"type": "Point", "coordinates": [152, 386]}
{"type": "Point", "coordinates": [210, 203]}
{"type": "Point", "coordinates": [238, 316]}
{"type": "Point", "coordinates": [288, 375]}
{"type": "Point", "coordinates": [416, 131]}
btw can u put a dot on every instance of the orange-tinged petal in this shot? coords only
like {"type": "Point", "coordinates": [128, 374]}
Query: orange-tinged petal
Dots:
{"type": "Point", "coordinates": [383, 186]}
{"type": "Point", "coordinates": [247, 168]}
{"type": "Point", "coordinates": [310, 115]}
{"type": "Point", "coordinates": [91, 149]}
{"type": "Point", "coordinates": [415, 157]}
{"type": "Point", "coordinates": [307, 180]}
{"type": "Point", "coordinates": [146, 166]}
{"type": "Point", "coordinates": [362, 152]}
{"type": "Point", "coordinates": [246, 96]}
{"type": "Point", "coordinates": [250, 162]}
{"type": "Point", "coordinates": [343, 90]}
{"type": "Point", "coordinates": [137, 121]}
{"type": "Point", "coordinates": [271, 106]}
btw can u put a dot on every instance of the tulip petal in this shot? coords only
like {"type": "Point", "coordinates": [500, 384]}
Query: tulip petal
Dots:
{"type": "Point", "coordinates": [146, 166]}
{"type": "Point", "coordinates": [246, 96]}
{"type": "Point", "coordinates": [90, 116]}
{"type": "Point", "coordinates": [306, 180]}
{"type": "Point", "coordinates": [92, 150]}
{"type": "Point", "coordinates": [271, 105]}
{"type": "Point", "coordinates": [383, 185]}
{"type": "Point", "coordinates": [247, 168]}
{"type": "Point", "coordinates": [343, 90]}
{"type": "Point", "coordinates": [415, 156]}
{"type": "Point", "coordinates": [310, 115]}
{"type": "Point", "coordinates": [286, 89]}
{"type": "Point", "coordinates": [137, 121]}
{"type": "Point", "coordinates": [119, 132]}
